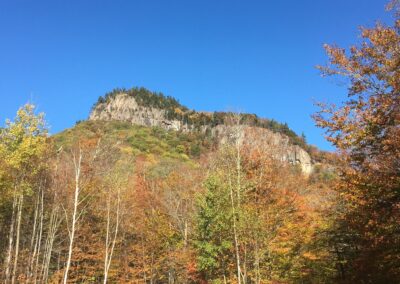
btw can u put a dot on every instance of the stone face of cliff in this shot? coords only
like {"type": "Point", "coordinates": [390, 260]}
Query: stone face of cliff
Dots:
{"type": "Point", "coordinates": [125, 108]}
{"type": "Point", "coordinates": [274, 144]}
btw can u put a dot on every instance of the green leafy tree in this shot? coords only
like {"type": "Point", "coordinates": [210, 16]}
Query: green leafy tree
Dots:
{"type": "Point", "coordinates": [214, 242]}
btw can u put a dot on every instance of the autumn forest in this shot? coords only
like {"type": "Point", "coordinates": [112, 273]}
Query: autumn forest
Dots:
{"type": "Point", "coordinates": [110, 201]}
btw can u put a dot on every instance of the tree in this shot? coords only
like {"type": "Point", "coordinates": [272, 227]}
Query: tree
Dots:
{"type": "Point", "coordinates": [366, 131]}
{"type": "Point", "coordinates": [77, 160]}
{"type": "Point", "coordinates": [83, 156]}
{"type": "Point", "coordinates": [213, 241]}
{"type": "Point", "coordinates": [23, 148]}
{"type": "Point", "coordinates": [115, 185]}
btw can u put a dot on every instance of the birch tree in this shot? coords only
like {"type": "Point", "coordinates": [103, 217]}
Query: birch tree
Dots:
{"type": "Point", "coordinates": [234, 170]}
{"type": "Point", "coordinates": [77, 161]}
{"type": "Point", "coordinates": [116, 183]}
{"type": "Point", "coordinates": [54, 220]}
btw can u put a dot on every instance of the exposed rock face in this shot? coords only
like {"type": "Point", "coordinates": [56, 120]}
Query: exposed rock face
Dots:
{"type": "Point", "coordinates": [125, 108]}
{"type": "Point", "coordinates": [275, 144]}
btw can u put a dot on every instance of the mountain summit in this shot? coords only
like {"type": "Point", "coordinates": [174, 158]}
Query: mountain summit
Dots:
{"type": "Point", "coordinates": [140, 106]}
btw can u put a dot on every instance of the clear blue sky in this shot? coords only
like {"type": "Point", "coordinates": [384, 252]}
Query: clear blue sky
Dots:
{"type": "Point", "coordinates": [253, 56]}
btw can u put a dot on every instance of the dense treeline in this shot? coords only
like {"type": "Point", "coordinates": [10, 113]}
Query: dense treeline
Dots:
{"type": "Point", "coordinates": [175, 110]}
{"type": "Point", "coordinates": [144, 98]}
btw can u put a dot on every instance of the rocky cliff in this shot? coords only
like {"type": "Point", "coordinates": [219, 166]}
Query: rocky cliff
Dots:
{"type": "Point", "coordinates": [124, 107]}
{"type": "Point", "coordinates": [275, 144]}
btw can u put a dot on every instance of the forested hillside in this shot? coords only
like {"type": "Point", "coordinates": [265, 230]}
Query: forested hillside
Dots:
{"type": "Point", "coordinates": [128, 203]}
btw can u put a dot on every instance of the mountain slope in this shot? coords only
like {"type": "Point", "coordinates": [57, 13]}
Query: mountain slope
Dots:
{"type": "Point", "coordinates": [139, 106]}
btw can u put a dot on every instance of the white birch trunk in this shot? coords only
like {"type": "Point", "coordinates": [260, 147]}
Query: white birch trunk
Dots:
{"type": "Point", "coordinates": [32, 248]}
{"type": "Point", "coordinates": [77, 167]}
{"type": "Point", "coordinates": [235, 235]}
{"type": "Point", "coordinates": [10, 242]}
{"type": "Point", "coordinates": [16, 254]}
{"type": "Point", "coordinates": [110, 250]}
{"type": "Point", "coordinates": [39, 238]}
{"type": "Point", "coordinates": [53, 225]}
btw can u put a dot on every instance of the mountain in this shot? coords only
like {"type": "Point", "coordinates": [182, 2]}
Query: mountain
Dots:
{"type": "Point", "coordinates": [140, 106]}
{"type": "Point", "coordinates": [169, 192]}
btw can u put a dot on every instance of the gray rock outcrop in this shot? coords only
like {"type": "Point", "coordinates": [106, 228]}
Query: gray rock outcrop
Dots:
{"type": "Point", "coordinates": [275, 144]}
{"type": "Point", "coordinates": [125, 108]}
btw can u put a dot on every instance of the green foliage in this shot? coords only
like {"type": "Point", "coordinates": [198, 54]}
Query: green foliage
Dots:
{"type": "Point", "coordinates": [180, 149]}
{"type": "Point", "coordinates": [214, 240]}
{"type": "Point", "coordinates": [138, 139]}
{"type": "Point", "coordinates": [144, 98]}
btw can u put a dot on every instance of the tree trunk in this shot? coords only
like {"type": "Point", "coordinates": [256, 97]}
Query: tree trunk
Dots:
{"type": "Point", "coordinates": [235, 235]}
{"type": "Point", "coordinates": [10, 242]}
{"type": "Point", "coordinates": [52, 229]}
{"type": "Point", "coordinates": [36, 238]}
{"type": "Point", "coordinates": [107, 238]}
{"type": "Point", "coordinates": [39, 239]}
{"type": "Point", "coordinates": [32, 248]}
{"type": "Point", "coordinates": [109, 254]}
{"type": "Point", "coordinates": [16, 254]}
{"type": "Point", "coordinates": [257, 263]}
{"type": "Point", "coordinates": [53, 225]}
{"type": "Point", "coordinates": [77, 166]}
